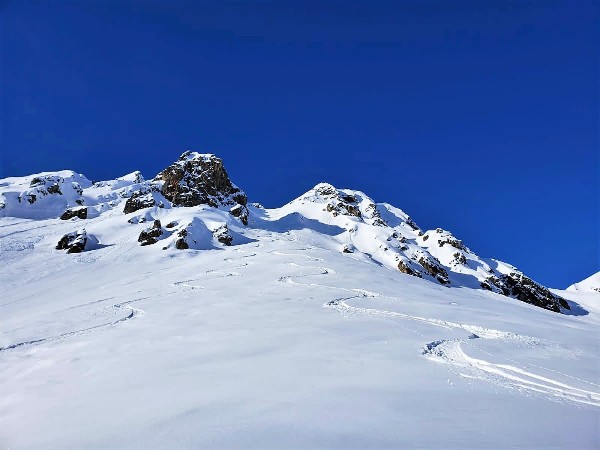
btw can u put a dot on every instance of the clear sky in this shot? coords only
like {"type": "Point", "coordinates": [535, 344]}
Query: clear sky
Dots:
{"type": "Point", "coordinates": [481, 117]}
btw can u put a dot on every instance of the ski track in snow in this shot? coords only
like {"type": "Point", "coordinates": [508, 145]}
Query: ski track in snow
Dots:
{"type": "Point", "coordinates": [133, 312]}
{"type": "Point", "coordinates": [450, 351]}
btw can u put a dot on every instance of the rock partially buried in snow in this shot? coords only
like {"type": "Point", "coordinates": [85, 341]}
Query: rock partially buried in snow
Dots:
{"type": "Point", "coordinates": [80, 213]}
{"type": "Point", "coordinates": [222, 235]}
{"type": "Point", "coordinates": [150, 235]}
{"type": "Point", "coordinates": [73, 242]}
{"type": "Point", "coordinates": [139, 200]}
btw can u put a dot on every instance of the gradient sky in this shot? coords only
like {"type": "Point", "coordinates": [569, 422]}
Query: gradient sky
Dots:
{"type": "Point", "coordinates": [481, 117]}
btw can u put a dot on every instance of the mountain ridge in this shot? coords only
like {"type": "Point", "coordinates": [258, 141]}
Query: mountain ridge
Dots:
{"type": "Point", "coordinates": [193, 205]}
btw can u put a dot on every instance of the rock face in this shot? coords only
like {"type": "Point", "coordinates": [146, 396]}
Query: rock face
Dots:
{"type": "Point", "coordinates": [80, 213]}
{"type": "Point", "coordinates": [197, 179]}
{"type": "Point", "coordinates": [137, 201]}
{"type": "Point", "coordinates": [434, 268]}
{"type": "Point", "coordinates": [519, 286]}
{"type": "Point", "coordinates": [73, 242]}
{"type": "Point", "coordinates": [150, 235]}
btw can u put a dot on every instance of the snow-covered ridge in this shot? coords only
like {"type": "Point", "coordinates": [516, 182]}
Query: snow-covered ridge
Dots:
{"type": "Point", "coordinates": [193, 205]}
{"type": "Point", "coordinates": [590, 284]}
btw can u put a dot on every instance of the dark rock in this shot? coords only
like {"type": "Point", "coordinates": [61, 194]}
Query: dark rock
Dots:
{"type": "Point", "coordinates": [411, 224]}
{"type": "Point", "coordinates": [405, 268]}
{"type": "Point", "coordinates": [181, 243]}
{"type": "Point", "coordinates": [31, 198]}
{"type": "Point", "coordinates": [150, 235]}
{"type": "Point", "coordinates": [54, 189]}
{"type": "Point", "coordinates": [171, 225]}
{"type": "Point", "coordinates": [453, 242]}
{"type": "Point", "coordinates": [199, 180]}
{"type": "Point", "coordinates": [80, 213]}
{"type": "Point", "coordinates": [137, 201]}
{"type": "Point", "coordinates": [372, 212]}
{"type": "Point", "coordinates": [435, 269]}
{"type": "Point", "coordinates": [241, 212]}
{"type": "Point", "coordinates": [73, 242]}
{"type": "Point", "coordinates": [348, 249]}
{"type": "Point", "coordinates": [460, 258]}
{"type": "Point", "coordinates": [222, 235]}
{"type": "Point", "coordinates": [523, 288]}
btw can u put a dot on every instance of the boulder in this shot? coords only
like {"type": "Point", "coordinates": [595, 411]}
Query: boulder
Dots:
{"type": "Point", "coordinates": [73, 242]}
{"type": "Point", "coordinates": [80, 213]}
{"type": "Point", "coordinates": [241, 212]}
{"type": "Point", "coordinates": [222, 235]}
{"type": "Point", "coordinates": [137, 201]}
{"type": "Point", "coordinates": [150, 235]}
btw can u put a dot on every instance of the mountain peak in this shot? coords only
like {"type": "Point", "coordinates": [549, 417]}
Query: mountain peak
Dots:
{"type": "Point", "coordinates": [197, 179]}
{"type": "Point", "coordinates": [190, 155]}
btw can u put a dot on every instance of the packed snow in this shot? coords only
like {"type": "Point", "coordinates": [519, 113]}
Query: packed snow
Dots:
{"type": "Point", "coordinates": [302, 333]}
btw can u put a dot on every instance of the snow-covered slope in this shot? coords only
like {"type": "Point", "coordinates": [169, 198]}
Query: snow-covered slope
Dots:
{"type": "Point", "coordinates": [590, 284]}
{"type": "Point", "coordinates": [196, 320]}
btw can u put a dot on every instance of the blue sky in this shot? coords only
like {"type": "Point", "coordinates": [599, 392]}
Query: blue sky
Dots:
{"type": "Point", "coordinates": [478, 117]}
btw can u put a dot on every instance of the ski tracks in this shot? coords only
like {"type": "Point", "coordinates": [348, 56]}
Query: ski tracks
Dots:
{"type": "Point", "coordinates": [450, 352]}
{"type": "Point", "coordinates": [131, 313]}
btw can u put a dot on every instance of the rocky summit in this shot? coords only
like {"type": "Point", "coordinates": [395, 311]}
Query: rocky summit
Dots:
{"type": "Point", "coordinates": [205, 210]}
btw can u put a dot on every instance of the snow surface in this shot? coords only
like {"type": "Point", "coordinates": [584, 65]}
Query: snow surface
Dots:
{"type": "Point", "coordinates": [278, 341]}
{"type": "Point", "coordinates": [590, 284]}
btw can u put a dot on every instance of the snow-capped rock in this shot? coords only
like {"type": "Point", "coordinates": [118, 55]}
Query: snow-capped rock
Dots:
{"type": "Point", "coordinates": [199, 179]}
{"type": "Point", "coordinates": [76, 241]}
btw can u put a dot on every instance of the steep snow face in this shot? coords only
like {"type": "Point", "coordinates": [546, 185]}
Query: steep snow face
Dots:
{"type": "Point", "coordinates": [590, 284]}
{"type": "Point", "coordinates": [389, 236]}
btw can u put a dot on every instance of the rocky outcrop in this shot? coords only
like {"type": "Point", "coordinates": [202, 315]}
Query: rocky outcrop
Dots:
{"type": "Point", "coordinates": [181, 242]}
{"type": "Point", "coordinates": [523, 288]}
{"type": "Point", "coordinates": [137, 201]}
{"type": "Point", "coordinates": [404, 267]}
{"type": "Point", "coordinates": [339, 202]}
{"type": "Point", "coordinates": [80, 213]}
{"type": "Point", "coordinates": [73, 242]}
{"type": "Point", "coordinates": [222, 235]}
{"type": "Point", "coordinates": [197, 179]}
{"type": "Point", "coordinates": [434, 268]}
{"type": "Point", "coordinates": [150, 235]}
{"type": "Point", "coordinates": [241, 212]}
